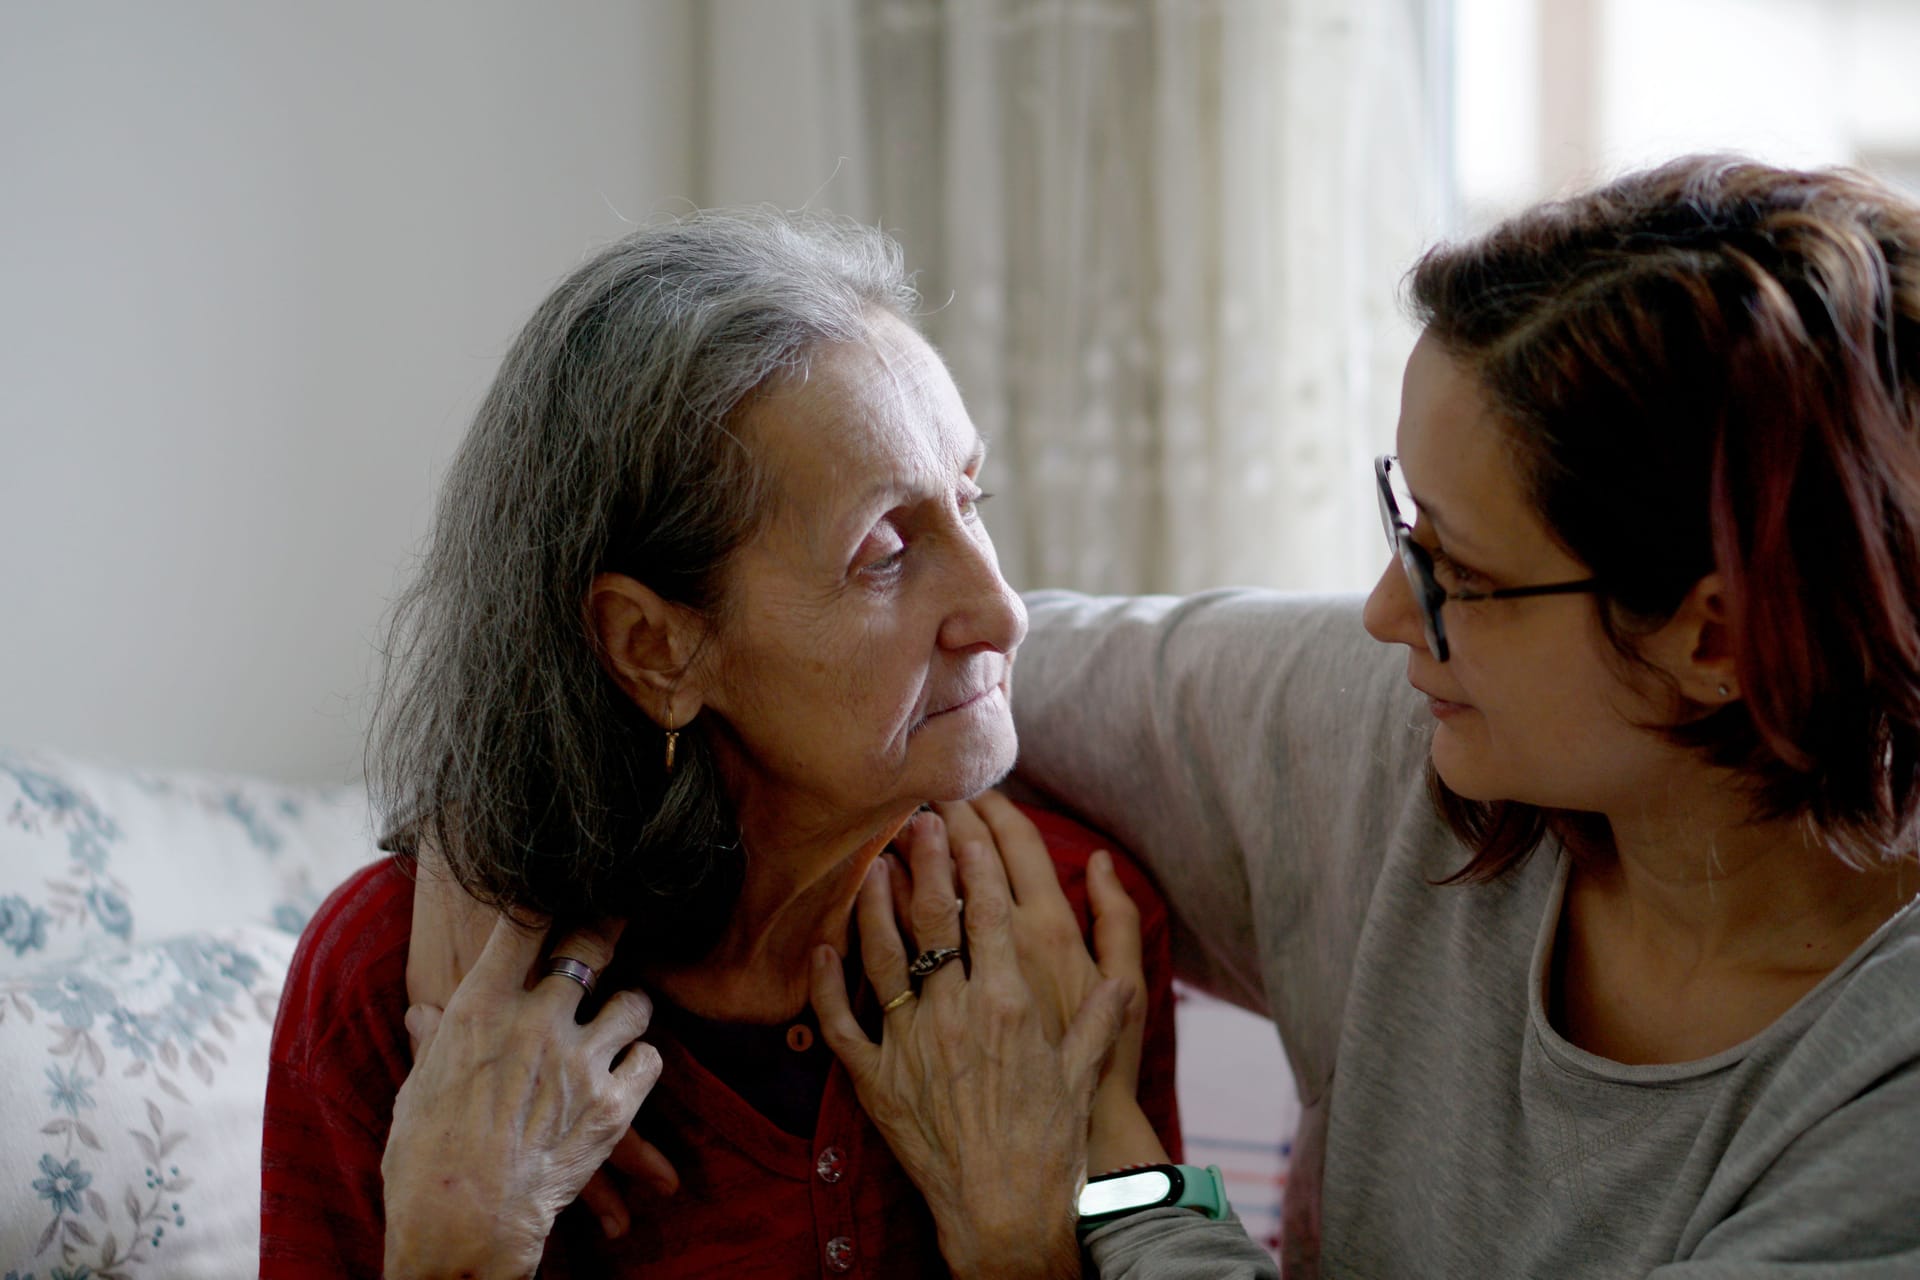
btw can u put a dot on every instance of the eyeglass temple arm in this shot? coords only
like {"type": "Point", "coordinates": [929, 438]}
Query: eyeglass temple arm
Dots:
{"type": "Point", "coordinates": [1514, 593]}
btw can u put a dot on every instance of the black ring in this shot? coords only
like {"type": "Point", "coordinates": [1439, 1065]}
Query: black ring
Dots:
{"type": "Point", "coordinates": [931, 959]}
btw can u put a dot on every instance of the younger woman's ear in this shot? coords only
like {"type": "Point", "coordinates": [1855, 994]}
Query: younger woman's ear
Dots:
{"type": "Point", "coordinates": [1696, 646]}
{"type": "Point", "coordinates": [647, 645]}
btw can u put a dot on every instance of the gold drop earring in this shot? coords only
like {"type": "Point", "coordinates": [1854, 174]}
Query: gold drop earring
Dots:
{"type": "Point", "coordinates": [673, 736]}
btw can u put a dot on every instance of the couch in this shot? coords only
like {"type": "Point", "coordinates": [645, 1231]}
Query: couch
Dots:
{"type": "Point", "coordinates": [146, 923]}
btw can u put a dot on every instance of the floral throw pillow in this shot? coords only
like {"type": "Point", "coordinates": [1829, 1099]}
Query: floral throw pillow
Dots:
{"type": "Point", "coordinates": [146, 924]}
{"type": "Point", "coordinates": [95, 858]}
{"type": "Point", "coordinates": [131, 1090]}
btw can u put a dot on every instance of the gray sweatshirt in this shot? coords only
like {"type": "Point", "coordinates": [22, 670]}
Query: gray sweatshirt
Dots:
{"type": "Point", "coordinates": [1265, 759]}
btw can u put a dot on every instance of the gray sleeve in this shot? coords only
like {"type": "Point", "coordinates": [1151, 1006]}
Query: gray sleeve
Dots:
{"type": "Point", "coordinates": [1178, 1244]}
{"type": "Point", "coordinates": [1256, 751]}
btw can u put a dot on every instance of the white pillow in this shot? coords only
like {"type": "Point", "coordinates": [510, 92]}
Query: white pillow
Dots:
{"type": "Point", "coordinates": [131, 1092]}
{"type": "Point", "coordinates": [96, 858]}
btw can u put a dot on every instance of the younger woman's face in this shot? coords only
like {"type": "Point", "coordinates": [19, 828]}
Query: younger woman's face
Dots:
{"type": "Point", "coordinates": [1533, 703]}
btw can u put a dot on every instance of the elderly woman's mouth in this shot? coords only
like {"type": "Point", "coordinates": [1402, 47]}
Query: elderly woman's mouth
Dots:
{"type": "Point", "coordinates": [966, 701]}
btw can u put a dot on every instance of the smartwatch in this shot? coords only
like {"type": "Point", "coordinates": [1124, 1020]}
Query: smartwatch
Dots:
{"type": "Point", "coordinates": [1149, 1186]}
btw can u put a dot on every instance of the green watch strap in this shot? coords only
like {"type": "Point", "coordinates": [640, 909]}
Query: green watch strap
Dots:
{"type": "Point", "coordinates": [1205, 1189]}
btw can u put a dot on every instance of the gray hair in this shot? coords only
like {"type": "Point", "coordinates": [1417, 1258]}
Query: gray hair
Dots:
{"type": "Point", "coordinates": [604, 444]}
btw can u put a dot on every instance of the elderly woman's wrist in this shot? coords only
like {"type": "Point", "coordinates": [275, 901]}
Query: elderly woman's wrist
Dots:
{"type": "Point", "coordinates": [414, 1260]}
{"type": "Point", "coordinates": [454, 1255]}
{"type": "Point", "coordinates": [1010, 1239]}
{"type": "Point", "coordinates": [405, 1268]}
{"type": "Point", "coordinates": [1030, 1251]}
{"type": "Point", "coordinates": [447, 1240]}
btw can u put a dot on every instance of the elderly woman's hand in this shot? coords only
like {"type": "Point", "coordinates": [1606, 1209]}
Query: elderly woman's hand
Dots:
{"type": "Point", "coordinates": [978, 1087]}
{"type": "Point", "coordinates": [511, 1106]}
{"type": "Point", "coordinates": [450, 929]}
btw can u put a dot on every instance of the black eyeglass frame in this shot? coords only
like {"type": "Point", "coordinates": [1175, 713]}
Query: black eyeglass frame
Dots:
{"type": "Point", "coordinates": [1417, 563]}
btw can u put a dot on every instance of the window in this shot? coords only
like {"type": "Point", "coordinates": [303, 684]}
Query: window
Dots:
{"type": "Point", "coordinates": [1553, 94]}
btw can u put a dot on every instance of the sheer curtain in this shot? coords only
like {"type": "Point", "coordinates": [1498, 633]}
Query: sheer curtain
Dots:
{"type": "Point", "coordinates": [1161, 241]}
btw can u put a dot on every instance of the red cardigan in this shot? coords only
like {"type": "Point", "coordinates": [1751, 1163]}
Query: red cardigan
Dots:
{"type": "Point", "coordinates": [753, 1201]}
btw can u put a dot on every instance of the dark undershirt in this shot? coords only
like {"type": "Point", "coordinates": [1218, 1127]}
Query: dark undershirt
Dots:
{"type": "Point", "coordinates": [779, 1069]}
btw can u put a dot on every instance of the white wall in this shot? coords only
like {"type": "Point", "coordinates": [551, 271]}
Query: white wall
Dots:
{"type": "Point", "coordinates": [781, 106]}
{"type": "Point", "coordinates": [257, 263]}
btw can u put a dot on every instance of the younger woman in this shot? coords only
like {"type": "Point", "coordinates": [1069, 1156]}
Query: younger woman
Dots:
{"type": "Point", "coordinates": [1583, 902]}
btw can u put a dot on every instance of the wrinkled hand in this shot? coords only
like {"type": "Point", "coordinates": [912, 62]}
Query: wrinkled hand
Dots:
{"type": "Point", "coordinates": [1053, 954]}
{"type": "Point", "coordinates": [450, 929]}
{"type": "Point", "coordinates": [510, 1107]}
{"type": "Point", "coordinates": [985, 1110]}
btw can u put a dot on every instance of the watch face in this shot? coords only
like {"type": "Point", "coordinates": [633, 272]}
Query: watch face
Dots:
{"type": "Point", "coordinates": [1127, 1191]}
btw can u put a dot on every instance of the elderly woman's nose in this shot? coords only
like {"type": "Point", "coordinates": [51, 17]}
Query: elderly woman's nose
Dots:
{"type": "Point", "coordinates": [984, 609]}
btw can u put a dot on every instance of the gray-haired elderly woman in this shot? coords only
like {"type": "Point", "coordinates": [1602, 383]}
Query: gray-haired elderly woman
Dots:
{"type": "Point", "coordinates": [707, 617]}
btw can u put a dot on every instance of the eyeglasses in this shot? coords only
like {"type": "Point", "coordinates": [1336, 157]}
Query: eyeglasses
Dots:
{"type": "Point", "coordinates": [1418, 564]}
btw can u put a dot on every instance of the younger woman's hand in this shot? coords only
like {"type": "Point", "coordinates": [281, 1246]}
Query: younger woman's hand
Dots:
{"type": "Point", "coordinates": [511, 1106]}
{"type": "Point", "coordinates": [983, 1107]}
{"type": "Point", "coordinates": [1047, 935]}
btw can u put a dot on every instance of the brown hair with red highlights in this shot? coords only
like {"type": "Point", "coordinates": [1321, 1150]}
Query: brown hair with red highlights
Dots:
{"type": "Point", "coordinates": [1715, 365]}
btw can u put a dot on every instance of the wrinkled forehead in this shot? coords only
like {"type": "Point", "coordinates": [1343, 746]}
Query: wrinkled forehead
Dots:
{"type": "Point", "coordinates": [861, 419]}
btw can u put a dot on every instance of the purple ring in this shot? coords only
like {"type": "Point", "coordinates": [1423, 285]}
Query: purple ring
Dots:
{"type": "Point", "coordinates": [573, 970]}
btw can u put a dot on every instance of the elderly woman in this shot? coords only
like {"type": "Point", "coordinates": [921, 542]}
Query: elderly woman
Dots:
{"type": "Point", "coordinates": [1584, 900]}
{"type": "Point", "coordinates": [708, 615]}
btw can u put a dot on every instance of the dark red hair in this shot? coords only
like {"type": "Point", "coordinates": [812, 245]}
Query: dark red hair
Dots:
{"type": "Point", "coordinates": [1715, 365]}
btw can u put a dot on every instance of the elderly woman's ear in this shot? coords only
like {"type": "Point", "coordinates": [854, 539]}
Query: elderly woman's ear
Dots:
{"type": "Point", "coordinates": [647, 644]}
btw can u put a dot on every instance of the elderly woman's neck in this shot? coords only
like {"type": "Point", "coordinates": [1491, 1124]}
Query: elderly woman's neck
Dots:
{"type": "Point", "coordinates": [799, 891]}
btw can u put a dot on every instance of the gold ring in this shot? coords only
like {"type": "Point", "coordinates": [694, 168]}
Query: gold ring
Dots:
{"type": "Point", "coordinates": [898, 1000]}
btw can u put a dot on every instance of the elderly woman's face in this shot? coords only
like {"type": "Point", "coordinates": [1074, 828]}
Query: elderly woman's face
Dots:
{"type": "Point", "coordinates": [862, 661]}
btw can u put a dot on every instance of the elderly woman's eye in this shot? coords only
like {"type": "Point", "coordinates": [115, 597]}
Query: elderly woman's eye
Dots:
{"type": "Point", "coordinates": [882, 556]}
{"type": "Point", "coordinates": [970, 503]}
